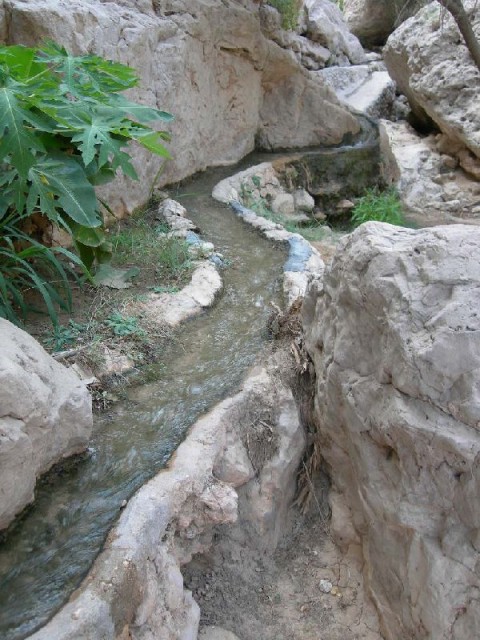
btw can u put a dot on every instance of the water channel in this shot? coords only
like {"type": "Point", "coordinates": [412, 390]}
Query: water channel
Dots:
{"type": "Point", "coordinates": [48, 552]}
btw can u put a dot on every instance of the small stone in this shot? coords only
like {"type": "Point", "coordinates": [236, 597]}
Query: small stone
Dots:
{"type": "Point", "coordinates": [319, 215]}
{"type": "Point", "coordinates": [76, 614]}
{"type": "Point", "coordinates": [303, 201]}
{"type": "Point", "coordinates": [123, 504]}
{"type": "Point", "coordinates": [449, 161]}
{"type": "Point", "coordinates": [283, 204]}
{"type": "Point", "coordinates": [345, 205]}
{"type": "Point", "coordinates": [325, 586]}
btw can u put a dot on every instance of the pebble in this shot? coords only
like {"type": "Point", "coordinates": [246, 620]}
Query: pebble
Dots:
{"type": "Point", "coordinates": [325, 586]}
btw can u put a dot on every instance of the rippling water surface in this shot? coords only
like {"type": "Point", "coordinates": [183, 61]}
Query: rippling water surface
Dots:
{"type": "Point", "coordinates": [49, 551]}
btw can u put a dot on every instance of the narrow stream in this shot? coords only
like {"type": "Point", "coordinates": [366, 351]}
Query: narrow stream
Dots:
{"type": "Point", "coordinates": [50, 550]}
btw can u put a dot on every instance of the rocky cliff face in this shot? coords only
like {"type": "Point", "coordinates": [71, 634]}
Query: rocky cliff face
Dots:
{"type": "Point", "coordinates": [430, 63]}
{"type": "Point", "coordinates": [207, 62]}
{"type": "Point", "coordinates": [395, 337]}
{"type": "Point", "coordinates": [45, 415]}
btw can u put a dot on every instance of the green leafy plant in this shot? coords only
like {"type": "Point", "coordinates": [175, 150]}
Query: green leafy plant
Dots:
{"type": "Point", "coordinates": [380, 207]}
{"type": "Point", "coordinates": [65, 336]}
{"type": "Point", "coordinates": [124, 325]}
{"type": "Point", "coordinates": [289, 10]}
{"type": "Point", "coordinates": [63, 129]}
{"type": "Point", "coordinates": [165, 289]}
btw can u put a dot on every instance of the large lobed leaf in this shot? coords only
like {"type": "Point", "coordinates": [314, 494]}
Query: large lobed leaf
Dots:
{"type": "Point", "coordinates": [63, 128]}
{"type": "Point", "coordinates": [59, 184]}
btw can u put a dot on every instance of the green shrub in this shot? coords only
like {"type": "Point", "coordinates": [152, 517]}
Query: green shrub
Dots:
{"type": "Point", "coordinates": [63, 130]}
{"type": "Point", "coordinates": [289, 10]}
{"type": "Point", "coordinates": [380, 207]}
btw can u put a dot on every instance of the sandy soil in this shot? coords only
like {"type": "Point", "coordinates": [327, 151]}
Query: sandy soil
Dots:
{"type": "Point", "coordinates": [279, 596]}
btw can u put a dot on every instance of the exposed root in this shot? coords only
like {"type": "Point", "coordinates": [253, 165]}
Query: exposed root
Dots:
{"type": "Point", "coordinates": [287, 327]}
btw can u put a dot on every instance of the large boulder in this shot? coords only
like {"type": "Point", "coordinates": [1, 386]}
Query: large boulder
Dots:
{"type": "Point", "coordinates": [432, 185]}
{"type": "Point", "coordinates": [45, 416]}
{"type": "Point", "coordinates": [372, 21]}
{"type": "Point", "coordinates": [325, 24]}
{"type": "Point", "coordinates": [208, 63]}
{"type": "Point", "coordinates": [320, 39]}
{"type": "Point", "coordinates": [395, 338]}
{"type": "Point", "coordinates": [429, 61]}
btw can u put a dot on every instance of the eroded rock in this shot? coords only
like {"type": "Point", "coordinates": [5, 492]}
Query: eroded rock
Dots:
{"type": "Point", "coordinates": [45, 416]}
{"type": "Point", "coordinates": [433, 189]}
{"type": "Point", "coordinates": [429, 61]}
{"type": "Point", "coordinates": [366, 89]}
{"type": "Point", "coordinates": [325, 24]}
{"type": "Point", "coordinates": [395, 337]}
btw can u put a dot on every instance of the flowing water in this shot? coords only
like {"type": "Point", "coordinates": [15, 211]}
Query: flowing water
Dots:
{"type": "Point", "coordinates": [50, 550]}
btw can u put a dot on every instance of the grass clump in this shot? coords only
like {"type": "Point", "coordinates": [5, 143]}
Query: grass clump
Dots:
{"type": "Point", "coordinates": [289, 10]}
{"type": "Point", "coordinates": [378, 207]}
{"type": "Point", "coordinates": [163, 259]}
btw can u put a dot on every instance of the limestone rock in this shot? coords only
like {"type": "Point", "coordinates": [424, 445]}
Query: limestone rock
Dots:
{"type": "Point", "coordinates": [320, 39]}
{"type": "Point", "coordinates": [265, 499]}
{"type": "Point", "coordinates": [283, 204]}
{"type": "Point", "coordinates": [174, 215]}
{"type": "Point", "coordinates": [207, 63]}
{"type": "Point", "coordinates": [259, 182]}
{"type": "Point", "coordinates": [216, 633]}
{"type": "Point", "coordinates": [326, 25]}
{"type": "Point", "coordinates": [395, 337]}
{"type": "Point", "coordinates": [294, 105]}
{"type": "Point", "coordinates": [427, 58]}
{"type": "Point", "coordinates": [364, 88]}
{"type": "Point", "coordinates": [303, 201]}
{"type": "Point", "coordinates": [172, 309]}
{"type": "Point", "coordinates": [372, 21]}
{"type": "Point", "coordinates": [432, 189]}
{"type": "Point", "coordinates": [45, 416]}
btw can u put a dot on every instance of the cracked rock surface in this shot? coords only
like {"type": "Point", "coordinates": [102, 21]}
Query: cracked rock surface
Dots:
{"type": "Point", "coordinates": [395, 337]}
